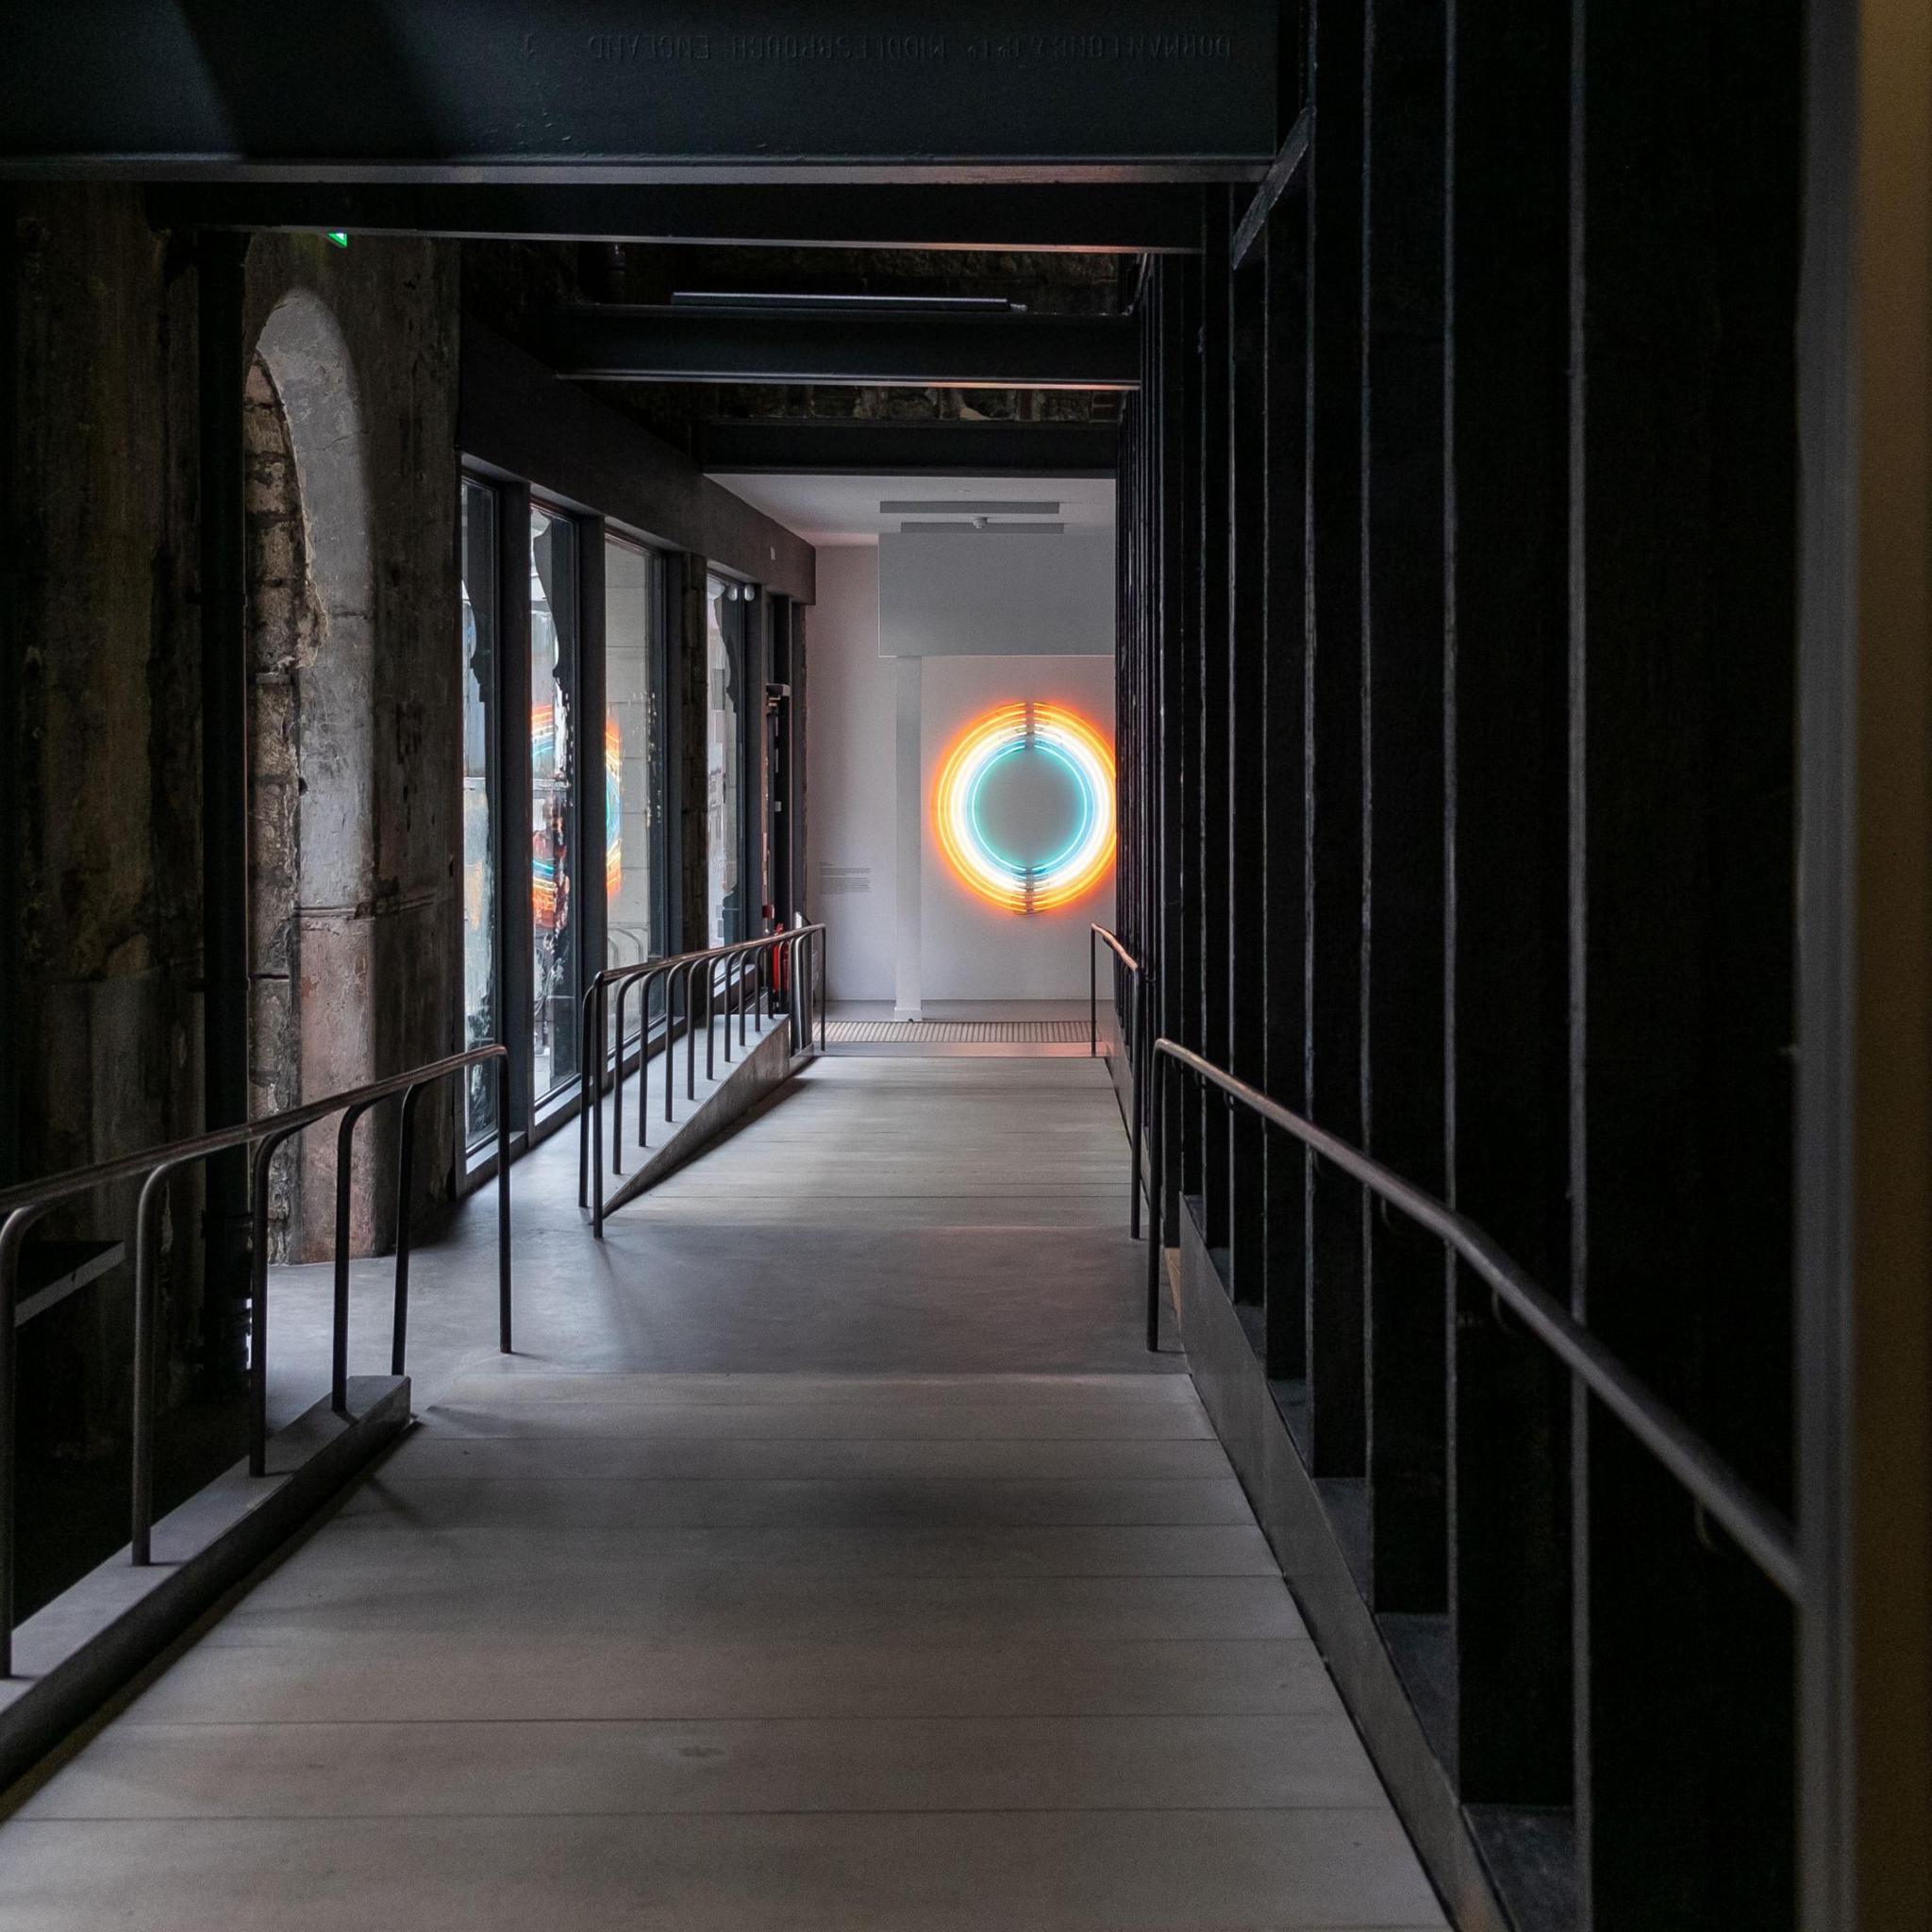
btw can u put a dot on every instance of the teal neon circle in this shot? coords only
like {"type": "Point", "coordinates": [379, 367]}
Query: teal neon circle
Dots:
{"type": "Point", "coordinates": [1083, 791]}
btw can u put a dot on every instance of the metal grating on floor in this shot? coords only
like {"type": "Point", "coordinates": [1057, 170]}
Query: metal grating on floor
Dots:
{"type": "Point", "coordinates": [957, 1032]}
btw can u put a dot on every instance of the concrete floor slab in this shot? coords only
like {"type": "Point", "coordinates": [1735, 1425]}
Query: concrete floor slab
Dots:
{"type": "Point", "coordinates": [626, 1767]}
{"type": "Point", "coordinates": [1060, 1871]}
{"type": "Point", "coordinates": [832, 1555]}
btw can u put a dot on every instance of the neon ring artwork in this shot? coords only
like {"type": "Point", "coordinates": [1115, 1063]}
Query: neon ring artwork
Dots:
{"type": "Point", "coordinates": [994, 746]}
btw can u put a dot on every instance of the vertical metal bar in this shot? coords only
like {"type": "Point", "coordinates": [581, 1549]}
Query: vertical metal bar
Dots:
{"type": "Point", "coordinates": [406, 1139]}
{"type": "Point", "coordinates": [584, 1111]}
{"type": "Point", "coordinates": [12, 1232]}
{"type": "Point", "coordinates": [750, 958]}
{"type": "Point", "coordinates": [339, 1354]}
{"type": "Point", "coordinates": [597, 1162]}
{"type": "Point", "coordinates": [792, 946]}
{"type": "Point", "coordinates": [670, 1009]}
{"type": "Point", "coordinates": [1092, 1001]}
{"type": "Point", "coordinates": [1140, 1000]}
{"type": "Point", "coordinates": [258, 1308]}
{"type": "Point", "coordinates": [691, 1037]}
{"type": "Point", "coordinates": [624, 987]}
{"type": "Point", "coordinates": [711, 1016]}
{"type": "Point", "coordinates": [823, 980]}
{"type": "Point", "coordinates": [503, 1244]}
{"type": "Point", "coordinates": [146, 1239]}
{"type": "Point", "coordinates": [594, 1093]}
{"type": "Point", "coordinates": [649, 980]}
{"type": "Point", "coordinates": [1157, 1196]}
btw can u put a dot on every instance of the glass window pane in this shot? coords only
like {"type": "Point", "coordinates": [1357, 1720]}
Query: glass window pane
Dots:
{"type": "Point", "coordinates": [478, 644]}
{"type": "Point", "coordinates": [633, 763]}
{"type": "Point", "coordinates": [723, 764]}
{"type": "Point", "coordinates": [554, 882]}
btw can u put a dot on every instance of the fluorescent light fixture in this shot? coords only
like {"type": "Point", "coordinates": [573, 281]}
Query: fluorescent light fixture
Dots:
{"type": "Point", "coordinates": [984, 529]}
{"type": "Point", "coordinates": [963, 506]}
{"type": "Point", "coordinates": [860, 305]}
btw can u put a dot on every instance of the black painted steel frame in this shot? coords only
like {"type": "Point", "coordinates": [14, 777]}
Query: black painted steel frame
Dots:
{"type": "Point", "coordinates": [1454, 733]}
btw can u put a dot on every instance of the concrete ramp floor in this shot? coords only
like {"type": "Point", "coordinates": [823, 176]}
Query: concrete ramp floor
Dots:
{"type": "Point", "coordinates": [730, 1635]}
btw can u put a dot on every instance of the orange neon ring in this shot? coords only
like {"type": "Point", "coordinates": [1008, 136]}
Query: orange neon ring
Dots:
{"type": "Point", "coordinates": [999, 881]}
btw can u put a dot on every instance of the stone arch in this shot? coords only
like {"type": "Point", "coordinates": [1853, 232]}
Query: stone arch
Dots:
{"type": "Point", "coordinates": [314, 841]}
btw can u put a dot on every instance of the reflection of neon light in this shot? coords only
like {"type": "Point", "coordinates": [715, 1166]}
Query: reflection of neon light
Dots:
{"type": "Point", "coordinates": [614, 809]}
{"type": "Point", "coordinates": [544, 892]}
{"type": "Point", "coordinates": [1069, 741]}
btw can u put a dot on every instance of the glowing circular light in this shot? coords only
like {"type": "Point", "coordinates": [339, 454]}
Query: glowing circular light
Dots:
{"type": "Point", "coordinates": [1066, 741]}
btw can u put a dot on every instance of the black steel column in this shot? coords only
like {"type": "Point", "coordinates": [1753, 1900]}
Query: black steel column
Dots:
{"type": "Point", "coordinates": [1336, 1438]}
{"type": "Point", "coordinates": [1683, 545]}
{"type": "Point", "coordinates": [1284, 702]}
{"type": "Point", "coordinates": [12, 1016]}
{"type": "Point", "coordinates": [224, 783]}
{"type": "Point", "coordinates": [1508, 1112]}
{"type": "Point", "coordinates": [1188, 572]}
{"type": "Point", "coordinates": [594, 830]}
{"type": "Point", "coordinates": [1170, 474]}
{"type": "Point", "coordinates": [1215, 792]}
{"type": "Point", "coordinates": [1403, 796]}
{"type": "Point", "coordinates": [1247, 736]}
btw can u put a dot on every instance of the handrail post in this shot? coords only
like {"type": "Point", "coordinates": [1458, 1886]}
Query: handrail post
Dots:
{"type": "Point", "coordinates": [644, 986]}
{"type": "Point", "coordinates": [1092, 1000]}
{"type": "Point", "coordinates": [711, 969]}
{"type": "Point", "coordinates": [257, 1305]}
{"type": "Point", "coordinates": [405, 1162]}
{"type": "Point", "coordinates": [825, 982]}
{"type": "Point", "coordinates": [617, 1071]}
{"type": "Point", "coordinates": [595, 1095]}
{"type": "Point", "coordinates": [670, 1011]}
{"type": "Point", "coordinates": [338, 1354]}
{"type": "Point", "coordinates": [147, 1216]}
{"type": "Point", "coordinates": [502, 1243]}
{"type": "Point", "coordinates": [1156, 1197]}
{"type": "Point", "coordinates": [1138, 981]}
{"type": "Point", "coordinates": [597, 1137]}
{"type": "Point", "coordinates": [583, 1114]}
{"type": "Point", "coordinates": [12, 1232]}
{"type": "Point", "coordinates": [691, 1037]}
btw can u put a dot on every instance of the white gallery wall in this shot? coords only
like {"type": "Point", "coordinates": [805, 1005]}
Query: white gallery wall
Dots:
{"type": "Point", "coordinates": [849, 775]}
{"type": "Point", "coordinates": [981, 621]}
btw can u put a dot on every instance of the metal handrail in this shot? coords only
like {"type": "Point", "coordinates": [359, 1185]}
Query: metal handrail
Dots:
{"type": "Point", "coordinates": [1135, 1044]}
{"type": "Point", "coordinates": [24, 1204]}
{"type": "Point", "coordinates": [1759, 1530]}
{"type": "Point", "coordinates": [756, 961]}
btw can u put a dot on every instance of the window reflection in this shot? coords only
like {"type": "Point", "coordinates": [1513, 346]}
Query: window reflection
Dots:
{"type": "Point", "coordinates": [724, 762]}
{"type": "Point", "coordinates": [554, 882]}
{"type": "Point", "coordinates": [478, 644]}
{"type": "Point", "coordinates": [632, 763]}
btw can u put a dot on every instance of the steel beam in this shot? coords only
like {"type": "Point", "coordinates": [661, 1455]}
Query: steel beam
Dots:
{"type": "Point", "coordinates": [1039, 217]}
{"type": "Point", "coordinates": [953, 449]}
{"type": "Point", "coordinates": [679, 89]}
{"type": "Point", "coordinates": [687, 342]}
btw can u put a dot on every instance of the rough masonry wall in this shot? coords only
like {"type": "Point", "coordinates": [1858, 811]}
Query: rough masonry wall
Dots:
{"type": "Point", "coordinates": [362, 344]}
{"type": "Point", "coordinates": [106, 929]}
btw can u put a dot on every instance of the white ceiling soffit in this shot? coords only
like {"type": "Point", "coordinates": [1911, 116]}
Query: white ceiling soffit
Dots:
{"type": "Point", "coordinates": [860, 510]}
